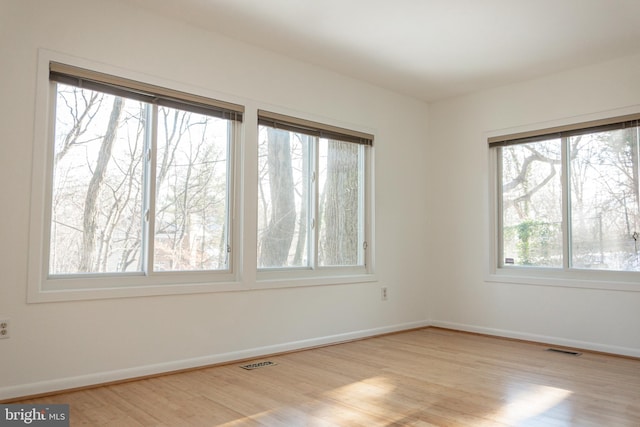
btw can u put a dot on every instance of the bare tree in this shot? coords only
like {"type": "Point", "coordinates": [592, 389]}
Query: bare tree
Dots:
{"type": "Point", "coordinates": [99, 190]}
{"type": "Point", "coordinates": [603, 198]}
{"type": "Point", "coordinates": [302, 225]}
{"type": "Point", "coordinates": [278, 235]}
{"type": "Point", "coordinates": [191, 193]}
{"type": "Point", "coordinates": [87, 256]}
{"type": "Point", "coordinates": [82, 107]}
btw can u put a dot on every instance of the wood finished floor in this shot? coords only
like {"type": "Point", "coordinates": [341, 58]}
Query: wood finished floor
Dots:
{"type": "Point", "coordinates": [427, 377]}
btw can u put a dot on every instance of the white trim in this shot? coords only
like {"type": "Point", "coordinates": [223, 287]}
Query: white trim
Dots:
{"type": "Point", "coordinates": [566, 279]}
{"type": "Point", "coordinates": [129, 291]}
{"type": "Point", "coordinates": [558, 277]}
{"type": "Point", "coordinates": [313, 270]}
{"type": "Point", "coordinates": [282, 280]}
{"type": "Point", "coordinates": [243, 274]}
{"type": "Point", "coordinates": [92, 292]}
{"type": "Point", "coordinates": [41, 288]}
{"type": "Point", "coordinates": [540, 339]}
{"type": "Point", "coordinates": [60, 384]}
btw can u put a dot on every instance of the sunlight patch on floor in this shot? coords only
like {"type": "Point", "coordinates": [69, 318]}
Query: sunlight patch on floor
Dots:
{"type": "Point", "coordinates": [375, 387]}
{"type": "Point", "coordinates": [361, 400]}
{"type": "Point", "coordinates": [366, 395]}
{"type": "Point", "coordinates": [529, 403]}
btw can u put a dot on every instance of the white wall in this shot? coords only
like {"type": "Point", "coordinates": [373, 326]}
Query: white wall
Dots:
{"type": "Point", "coordinates": [67, 344]}
{"type": "Point", "coordinates": [430, 251]}
{"type": "Point", "coordinates": [458, 214]}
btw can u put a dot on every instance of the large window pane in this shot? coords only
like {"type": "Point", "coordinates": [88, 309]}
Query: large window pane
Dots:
{"type": "Point", "coordinates": [532, 204]}
{"type": "Point", "coordinates": [96, 215]}
{"type": "Point", "coordinates": [341, 222]}
{"type": "Point", "coordinates": [191, 230]}
{"type": "Point", "coordinates": [604, 200]}
{"type": "Point", "coordinates": [283, 198]}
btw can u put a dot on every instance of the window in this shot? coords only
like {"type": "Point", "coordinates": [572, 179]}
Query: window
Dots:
{"type": "Point", "coordinates": [312, 194]}
{"type": "Point", "coordinates": [140, 181]}
{"type": "Point", "coordinates": [568, 197]}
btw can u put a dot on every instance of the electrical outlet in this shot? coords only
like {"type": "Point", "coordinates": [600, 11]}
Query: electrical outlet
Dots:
{"type": "Point", "coordinates": [383, 293]}
{"type": "Point", "coordinates": [4, 328]}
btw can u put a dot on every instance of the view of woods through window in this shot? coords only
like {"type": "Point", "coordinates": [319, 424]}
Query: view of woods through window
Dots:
{"type": "Point", "coordinates": [140, 184]}
{"type": "Point", "coordinates": [101, 201]}
{"type": "Point", "coordinates": [532, 203]}
{"type": "Point", "coordinates": [310, 200]}
{"type": "Point", "coordinates": [602, 210]}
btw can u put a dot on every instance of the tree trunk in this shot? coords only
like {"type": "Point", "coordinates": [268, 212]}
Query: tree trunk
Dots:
{"type": "Point", "coordinates": [87, 256]}
{"type": "Point", "coordinates": [302, 220]}
{"type": "Point", "coordinates": [340, 213]}
{"type": "Point", "coordinates": [279, 233]}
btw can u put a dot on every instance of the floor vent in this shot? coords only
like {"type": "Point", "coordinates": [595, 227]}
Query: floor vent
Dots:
{"type": "Point", "coordinates": [569, 352]}
{"type": "Point", "coordinates": [257, 365]}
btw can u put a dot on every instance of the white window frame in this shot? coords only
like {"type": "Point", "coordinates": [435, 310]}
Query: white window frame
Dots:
{"type": "Point", "coordinates": [555, 277]}
{"type": "Point", "coordinates": [43, 288]}
{"type": "Point", "coordinates": [329, 275]}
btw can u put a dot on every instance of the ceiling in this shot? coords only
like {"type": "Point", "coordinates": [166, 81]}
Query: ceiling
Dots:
{"type": "Point", "coordinates": [427, 49]}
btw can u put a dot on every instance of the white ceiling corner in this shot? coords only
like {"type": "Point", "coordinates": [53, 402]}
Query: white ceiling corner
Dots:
{"type": "Point", "coordinates": [428, 49]}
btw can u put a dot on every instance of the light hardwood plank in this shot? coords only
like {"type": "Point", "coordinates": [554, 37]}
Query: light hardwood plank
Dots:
{"type": "Point", "coordinates": [421, 378]}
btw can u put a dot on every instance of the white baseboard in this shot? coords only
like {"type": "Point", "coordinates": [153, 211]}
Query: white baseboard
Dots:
{"type": "Point", "coordinates": [584, 345]}
{"type": "Point", "coordinates": [60, 384]}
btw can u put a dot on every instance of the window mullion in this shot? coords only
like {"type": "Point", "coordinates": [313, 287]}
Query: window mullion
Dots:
{"type": "Point", "coordinates": [230, 212]}
{"type": "Point", "coordinates": [314, 202]}
{"type": "Point", "coordinates": [150, 177]}
{"type": "Point", "coordinates": [500, 207]}
{"type": "Point", "coordinates": [362, 200]}
{"type": "Point", "coordinates": [566, 204]}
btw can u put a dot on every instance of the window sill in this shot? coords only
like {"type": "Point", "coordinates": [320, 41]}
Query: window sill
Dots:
{"type": "Point", "coordinates": [302, 278]}
{"type": "Point", "coordinates": [119, 287]}
{"type": "Point", "coordinates": [103, 288]}
{"type": "Point", "coordinates": [601, 280]}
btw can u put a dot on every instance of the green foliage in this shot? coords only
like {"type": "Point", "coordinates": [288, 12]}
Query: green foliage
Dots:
{"type": "Point", "coordinates": [533, 240]}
